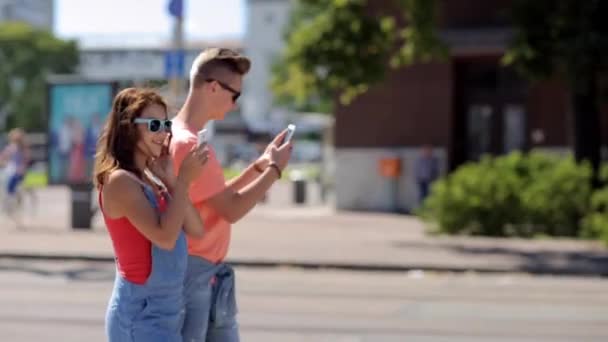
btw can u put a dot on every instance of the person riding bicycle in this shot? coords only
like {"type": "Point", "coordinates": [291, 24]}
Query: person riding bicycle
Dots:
{"type": "Point", "coordinates": [16, 157]}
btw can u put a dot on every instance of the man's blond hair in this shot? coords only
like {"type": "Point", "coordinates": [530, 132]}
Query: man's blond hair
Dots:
{"type": "Point", "coordinates": [213, 62]}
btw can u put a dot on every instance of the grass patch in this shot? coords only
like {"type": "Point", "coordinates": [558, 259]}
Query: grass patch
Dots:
{"type": "Point", "coordinates": [231, 172]}
{"type": "Point", "coordinates": [35, 179]}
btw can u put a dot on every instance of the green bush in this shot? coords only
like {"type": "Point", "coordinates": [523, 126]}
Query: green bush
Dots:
{"type": "Point", "coordinates": [557, 195]}
{"type": "Point", "coordinates": [476, 199]}
{"type": "Point", "coordinates": [514, 195]}
{"type": "Point", "coordinates": [595, 224]}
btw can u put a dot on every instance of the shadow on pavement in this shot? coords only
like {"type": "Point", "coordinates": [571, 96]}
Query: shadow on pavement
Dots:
{"type": "Point", "coordinates": [538, 261]}
{"type": "Point", "coordinates": [89, 272]}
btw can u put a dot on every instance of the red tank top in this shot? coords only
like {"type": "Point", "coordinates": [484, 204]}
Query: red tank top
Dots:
{"type": "Point", "coordinates": [131, 248]}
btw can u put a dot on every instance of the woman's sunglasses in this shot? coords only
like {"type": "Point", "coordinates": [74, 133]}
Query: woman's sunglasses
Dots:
{"type": "Point", "coordinates": [155, 125]}
{"type": "Point", "coordinates": [235, 93]}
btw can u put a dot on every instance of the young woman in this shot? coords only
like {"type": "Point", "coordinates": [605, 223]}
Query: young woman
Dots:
{"type": "Point", "coordinates": [147, 212]}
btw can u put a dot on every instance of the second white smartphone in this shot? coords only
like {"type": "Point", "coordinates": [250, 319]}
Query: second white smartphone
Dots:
{"type": "Point", "coordinates": [291, 129]}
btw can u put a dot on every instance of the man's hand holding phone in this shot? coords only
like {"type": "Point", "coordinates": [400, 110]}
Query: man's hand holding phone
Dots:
{"type": "Point", "coordinates": [291, 129]}
{"type": "Point", "coordinates": [278, 151]}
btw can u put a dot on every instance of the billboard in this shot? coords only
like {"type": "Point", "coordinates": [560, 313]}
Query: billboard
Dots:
{"type": "Point", "coordinates": [77, 112]}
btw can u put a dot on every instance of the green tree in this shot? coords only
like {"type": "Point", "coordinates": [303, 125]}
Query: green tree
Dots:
{"type": "Point", "coordinates": [27, 56]}
{"type": "Point", "coordinates": [336, 49]}
{"type": "Point", "coordinates": [568, 38]}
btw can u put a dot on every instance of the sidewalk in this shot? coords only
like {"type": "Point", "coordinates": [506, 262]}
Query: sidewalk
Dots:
{"type": "Point", "coordinates": [278, 234]}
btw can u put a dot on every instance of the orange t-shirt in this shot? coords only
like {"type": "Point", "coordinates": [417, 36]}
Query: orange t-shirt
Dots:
{"type": "Point", "coordinates": [214, 244]}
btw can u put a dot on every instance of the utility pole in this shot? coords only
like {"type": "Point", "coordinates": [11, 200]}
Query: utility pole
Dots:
{"type": "Point", "coordinates": [175, 57]}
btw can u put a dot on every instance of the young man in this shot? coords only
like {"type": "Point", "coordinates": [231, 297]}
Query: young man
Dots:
{"type": "Point", "coordinates": [215, 85]}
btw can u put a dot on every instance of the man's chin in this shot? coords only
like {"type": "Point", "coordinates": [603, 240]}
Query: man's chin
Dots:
{"type": "Point", "coordinates": [219, 116]}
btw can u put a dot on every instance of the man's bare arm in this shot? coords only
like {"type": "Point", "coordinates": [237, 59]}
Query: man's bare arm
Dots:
{"type": "Point", "coordinates": [233, 205]}
{"type": "Point", "coordinates": [247, 176]}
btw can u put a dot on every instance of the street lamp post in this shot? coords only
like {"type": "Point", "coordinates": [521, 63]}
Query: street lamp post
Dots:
{"type": "Point", "coordinates": [175, 57]}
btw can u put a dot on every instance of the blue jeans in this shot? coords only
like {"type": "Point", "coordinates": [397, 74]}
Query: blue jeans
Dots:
{"type": "Point", "coordinates": [423, 190]}
{"type": "Point", "coordinates": [209, 296]}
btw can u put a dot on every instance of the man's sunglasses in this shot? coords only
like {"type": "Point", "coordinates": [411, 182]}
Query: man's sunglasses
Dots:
{"type": "Point", "coordinates": [235, 93]}
{"type": "Point", "coordinates": [155, 125]}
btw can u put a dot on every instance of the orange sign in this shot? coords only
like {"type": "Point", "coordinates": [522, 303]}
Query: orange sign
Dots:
{"type": "Point", "coordinates": [390, 167]}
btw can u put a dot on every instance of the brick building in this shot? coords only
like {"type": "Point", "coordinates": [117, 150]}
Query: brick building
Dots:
{"type": "Point", "coordinates": [464, 107]}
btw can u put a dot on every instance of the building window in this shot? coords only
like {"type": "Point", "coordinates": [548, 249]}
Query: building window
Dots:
{"type": "Point", "coordinates": [480, 130]}
{"type": "Point", "coordinates": [514, 129]}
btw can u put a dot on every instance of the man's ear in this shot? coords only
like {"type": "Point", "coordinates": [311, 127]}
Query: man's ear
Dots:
{"type": "Point", "coordinates": [212, 86]}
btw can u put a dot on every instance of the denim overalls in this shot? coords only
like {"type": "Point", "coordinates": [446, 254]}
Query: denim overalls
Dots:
{"type": "Point", "coordinates": [153, 311]}
{"type": "Point", "coordinates": [210, 302]}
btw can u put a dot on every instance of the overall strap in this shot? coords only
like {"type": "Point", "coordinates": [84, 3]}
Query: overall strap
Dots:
{"type": "Point", "coordinates": [148, 191]}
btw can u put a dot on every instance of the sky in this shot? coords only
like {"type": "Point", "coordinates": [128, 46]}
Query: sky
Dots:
{"type": "Point", "coordinates": [117, 22]}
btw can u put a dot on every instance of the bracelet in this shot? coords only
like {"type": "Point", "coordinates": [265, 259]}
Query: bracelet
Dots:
{"type": "Point", "coordinates": [257, 168]}
{"type": "Point", "coordinates": [276, 168]}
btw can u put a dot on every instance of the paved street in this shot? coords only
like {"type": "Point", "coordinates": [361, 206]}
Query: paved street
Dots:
{"type": "Point", "coordinates": [65, 301]}
{"type": "Point", "coordinates": [279, 233]}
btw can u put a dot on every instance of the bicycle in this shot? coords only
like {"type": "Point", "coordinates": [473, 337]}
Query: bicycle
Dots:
{"type": "Point", "coordinates": [13, 206]}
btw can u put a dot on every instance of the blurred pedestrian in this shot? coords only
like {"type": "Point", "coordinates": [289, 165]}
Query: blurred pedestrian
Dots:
{"type": "Point", "coordinates": [16, 157]}
{"type": "Point", "coordinates": [426, 171]}
{"type": "Point", "coordinates": [147, 213]}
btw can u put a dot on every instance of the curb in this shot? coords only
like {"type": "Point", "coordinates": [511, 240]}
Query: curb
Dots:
{"type": "Point", "coordinates": [544, 270]}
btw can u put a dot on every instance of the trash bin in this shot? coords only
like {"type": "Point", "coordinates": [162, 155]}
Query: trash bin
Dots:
{"type": "Point", "coordinates": [81, 206]}
{"type": "Point", "coordinates": [299, 187]}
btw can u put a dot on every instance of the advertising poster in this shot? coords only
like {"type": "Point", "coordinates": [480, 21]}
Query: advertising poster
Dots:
{"type": "Point", "coordinates": [77, 112]}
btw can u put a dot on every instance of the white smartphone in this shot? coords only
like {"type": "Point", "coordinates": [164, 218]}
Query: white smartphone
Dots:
{"type": "Point", "coordinates": [291, 129]}
{"type": "Point", "coordinates": [202, 137]}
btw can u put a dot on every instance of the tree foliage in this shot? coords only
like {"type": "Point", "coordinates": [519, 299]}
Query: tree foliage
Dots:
{"type": "Point", "coordinates": [27, 56]}
{"type": "Point", "coordinates": [567, 38]}
{"type": "Point", "coordinates": [336, 49]}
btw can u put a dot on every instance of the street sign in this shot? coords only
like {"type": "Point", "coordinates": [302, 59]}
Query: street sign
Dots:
{"type": "Point", "coordinates": [174, 64]}
{"type": "Point", "coordinates": [176, 8]}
